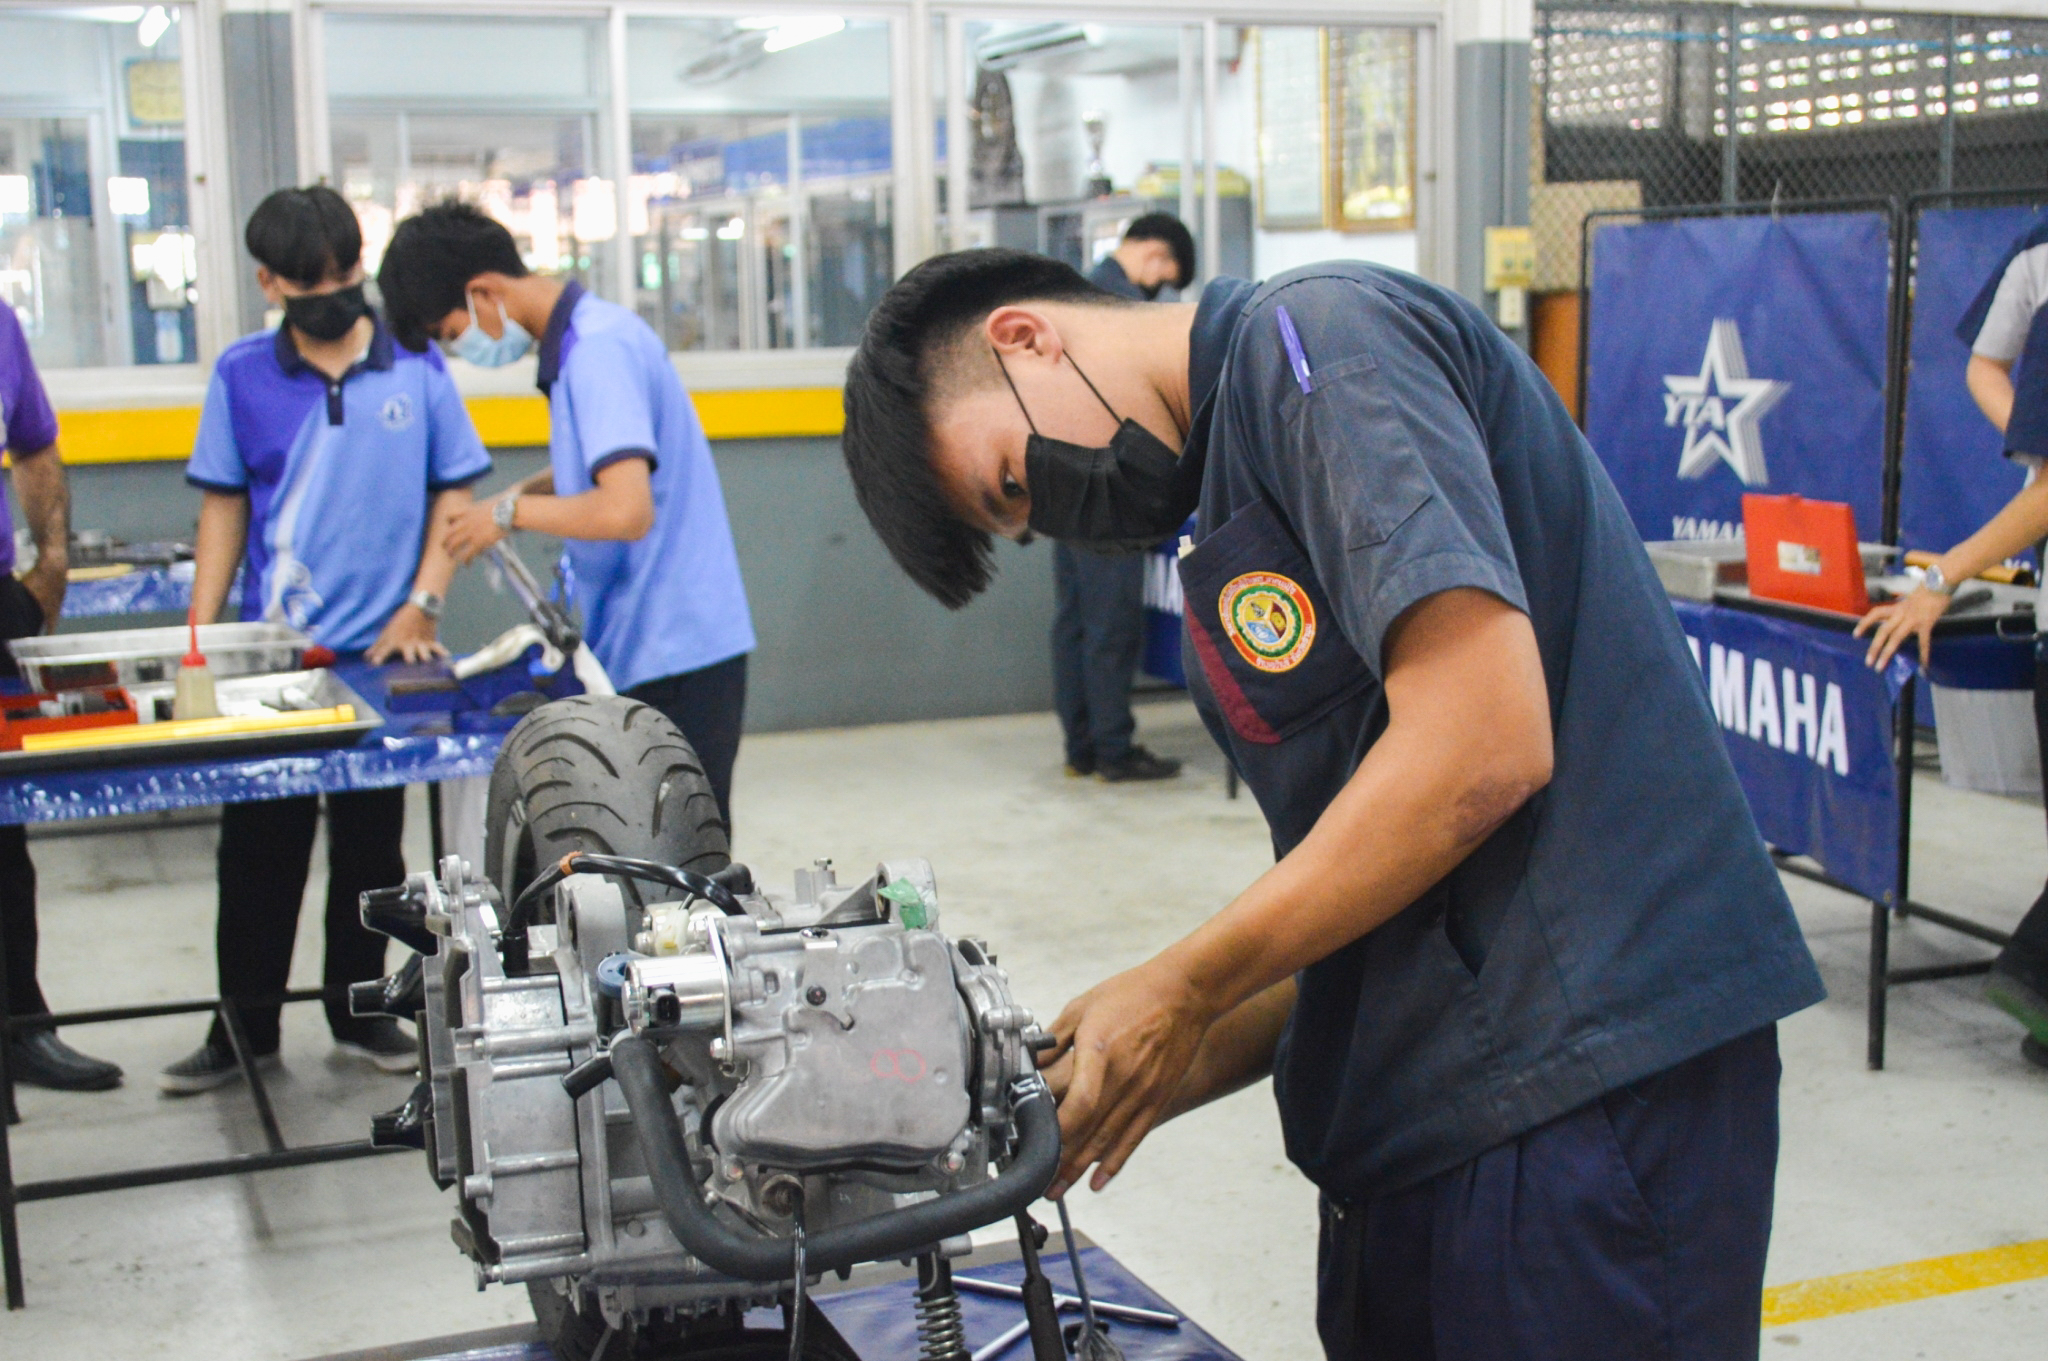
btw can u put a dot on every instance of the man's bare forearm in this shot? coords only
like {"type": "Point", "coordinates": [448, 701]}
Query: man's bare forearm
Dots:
{"type": "Point", "coordinates": [1237, 1051]}
{"type": "Point", "coordinates": [1467, 744]}
{"type": "Point", "coordinates": [437, 564]}
{"type": "Point", "coordinates": [223, 534]}
{"type": "Point", "coordinates": [45, 494]}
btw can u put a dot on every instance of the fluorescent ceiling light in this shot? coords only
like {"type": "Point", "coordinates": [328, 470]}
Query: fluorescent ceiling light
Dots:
{"type": "Point", "coordinates": [153, 26]}
{"type": "Point", "coordinates": [787, 31]}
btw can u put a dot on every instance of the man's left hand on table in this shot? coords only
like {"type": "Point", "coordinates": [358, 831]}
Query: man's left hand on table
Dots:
{"type": "Point", "coordinates": [409, 636]}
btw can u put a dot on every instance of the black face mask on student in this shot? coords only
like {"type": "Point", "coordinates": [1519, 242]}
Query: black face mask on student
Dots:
{"type": "Point", "coordinates": [327, 316]}
{"type": "Point", "coordinates": [1127, 495]}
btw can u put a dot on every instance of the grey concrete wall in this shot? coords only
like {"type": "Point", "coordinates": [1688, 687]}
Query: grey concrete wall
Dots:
{"type": "Point", "coordinates": [845, 639]}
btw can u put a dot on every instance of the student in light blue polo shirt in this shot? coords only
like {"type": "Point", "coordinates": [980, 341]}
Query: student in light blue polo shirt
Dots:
{"type": "Point", "coordinates": [325, 453]}
{"type": "Point", "coordinates": [630, 482]}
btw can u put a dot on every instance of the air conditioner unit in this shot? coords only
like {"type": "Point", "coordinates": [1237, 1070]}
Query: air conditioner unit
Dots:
{"type": "Point", "coordinates": [1002, 51]}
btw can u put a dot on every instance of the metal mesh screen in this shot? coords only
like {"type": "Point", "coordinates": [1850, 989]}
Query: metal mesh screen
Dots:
{"type": "Point", "coordinates": [1634, 105]}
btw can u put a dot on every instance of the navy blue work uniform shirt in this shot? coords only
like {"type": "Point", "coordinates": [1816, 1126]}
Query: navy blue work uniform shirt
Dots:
{"type": "Point", "coordinates": [2008, 322]}
{"type": "Point", "coordinates": [1628, 916]}
{"type": "Point", "coordinates": [1109, 276]}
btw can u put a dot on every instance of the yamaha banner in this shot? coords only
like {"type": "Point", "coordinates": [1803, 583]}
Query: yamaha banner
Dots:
{"type": "Point", "coordinates": [1810, 730]}
{"type": "Point", "coordinates": [1954, 474]}
{"type": "Point", "coordinates": [1734, 354]}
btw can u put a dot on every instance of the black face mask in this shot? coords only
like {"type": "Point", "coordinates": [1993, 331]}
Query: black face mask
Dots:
{"type": "Point", "coordinates": [327, 316]}
{"type": "Point", "coordinates": [1127, 496]}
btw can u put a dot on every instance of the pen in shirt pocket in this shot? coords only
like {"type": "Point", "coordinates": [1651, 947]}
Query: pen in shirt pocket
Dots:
{"type": "Point", "coordinates": [1297, 359]}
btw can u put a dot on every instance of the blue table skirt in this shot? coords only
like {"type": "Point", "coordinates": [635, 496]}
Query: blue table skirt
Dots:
{"type": "Point", "coordinates": [147, 590]}
{"type": "Point", "coordinates": [411, 748]}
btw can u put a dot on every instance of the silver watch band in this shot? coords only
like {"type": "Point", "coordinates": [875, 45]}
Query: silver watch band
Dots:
{"type": "Point", "coordinates": [502, 511]}
{"type": "Point", "coordinates": [426, 602]}
{"type": "Point", "coordinates": [1936, 581]}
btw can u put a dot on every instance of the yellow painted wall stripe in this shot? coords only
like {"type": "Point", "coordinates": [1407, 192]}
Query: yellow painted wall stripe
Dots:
{"type": "Point", "coordinates": [1825, 1296]}
{"type": "Point", "coordinates": [166, 433]}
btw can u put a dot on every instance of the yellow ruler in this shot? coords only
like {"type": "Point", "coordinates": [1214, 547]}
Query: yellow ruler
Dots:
{"type": "Point", "coordinates": [173, 730]}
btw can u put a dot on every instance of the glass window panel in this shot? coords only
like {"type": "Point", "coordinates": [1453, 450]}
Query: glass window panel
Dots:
{"type": "Point", "coordinates": [97, 256]}
{"type": "Point", "coordinates": [734, 122]}
{"type": "Point", "coordinates": [1074, 129]}
{"type": "Point", "coordinates": [505, 114]}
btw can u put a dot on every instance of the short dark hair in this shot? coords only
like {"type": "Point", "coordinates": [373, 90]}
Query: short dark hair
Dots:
{"type": "Point", "coordinates": [1170, 229]}
{"type": "Point", "coordinates": [431, 259]}
{"type": "Point", "coordinates": [889, 387]}
{"type": "Point", "coordinates": [305, 235]}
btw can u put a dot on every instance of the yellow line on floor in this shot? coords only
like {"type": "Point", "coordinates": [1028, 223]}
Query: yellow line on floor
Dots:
{"type": "Point", "coordinates": [1852, 1291]}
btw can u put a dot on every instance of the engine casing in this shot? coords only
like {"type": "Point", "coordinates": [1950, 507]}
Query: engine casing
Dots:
{"type": "Point", "coordinates": [839, 1057]}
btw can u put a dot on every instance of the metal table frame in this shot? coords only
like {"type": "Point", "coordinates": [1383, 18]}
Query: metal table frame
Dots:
{"type": "Point", "coordinates": [279, 1152]}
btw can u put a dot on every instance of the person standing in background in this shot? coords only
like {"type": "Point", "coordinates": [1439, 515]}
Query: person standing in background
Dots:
{"type": "Point", "coordinates": [630, 482]}
{"type": "Point", "coordinates": [2006, 329]}
{"type": "Point", "coordinates": [29, 605]}
{"type": "Point", "coordinates": [1098, 623]}
{"type": "Point", "coordinates": [327, 455]}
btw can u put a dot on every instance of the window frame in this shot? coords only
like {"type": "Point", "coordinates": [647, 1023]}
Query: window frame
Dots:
{"type": "Point", "coordinates": [202, 70]}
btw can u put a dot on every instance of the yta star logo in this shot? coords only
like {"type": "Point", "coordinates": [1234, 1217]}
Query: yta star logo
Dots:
{"type": "Point", "coordinates": [1720, 409]}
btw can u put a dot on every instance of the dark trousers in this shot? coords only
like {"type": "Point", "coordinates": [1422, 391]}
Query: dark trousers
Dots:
{"type": "Point", "coordinates": [1098, 633]}
{"type": "Point", "coordinates": [2028, 952]}
{"type": "Point", "coordinates": [20, 617]}
{"type": "Point", "coordinates": [18, 922]}
{"type": "Point", "coordinates": [708, 705]}
{"type": "Point", "coordinates": [266, 848]}
{"type": "Point", "coordinates": [1632, 1229]}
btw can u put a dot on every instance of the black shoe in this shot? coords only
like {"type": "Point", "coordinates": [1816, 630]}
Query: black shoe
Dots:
{"type": "Point", "coordinates": [2034, 1052]}
{"type": "Point", "coordinates": [2020, 992]}
{"type": "Point", "coordinates": [40, 1059]}
{"type": "Point", "coordinates": [380, 1041]}
{"type": "Point", "coordinates": [205, 1068]}
{"type": "Point", "coordinates": [1139, 764]}
{"type": "Point", "coordinates": [1080, 767]}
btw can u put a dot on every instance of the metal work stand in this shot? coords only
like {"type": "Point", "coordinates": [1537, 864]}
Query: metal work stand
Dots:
{"type": "Point", "coordinates": [1901, 906]}
{"type": "Point", "coordinates": [277, 1152]}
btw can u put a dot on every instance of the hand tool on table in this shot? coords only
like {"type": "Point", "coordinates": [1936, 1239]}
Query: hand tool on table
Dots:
{"type": "Point", "coordinates": [552, 619]}
{"type": "Point", "coordinates": [1094, 1344]}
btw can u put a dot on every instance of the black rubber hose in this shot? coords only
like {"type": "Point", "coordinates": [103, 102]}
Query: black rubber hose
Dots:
{"type": "Point", "coordinates": [748, 1256]}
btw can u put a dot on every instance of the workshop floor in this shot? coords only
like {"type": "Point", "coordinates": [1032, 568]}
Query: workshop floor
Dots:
{"type": "Point", "coordinates": [1943, 1153]}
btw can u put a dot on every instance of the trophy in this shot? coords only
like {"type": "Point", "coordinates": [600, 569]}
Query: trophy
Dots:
{"type": "Point", "coordinates": [1096, 125]}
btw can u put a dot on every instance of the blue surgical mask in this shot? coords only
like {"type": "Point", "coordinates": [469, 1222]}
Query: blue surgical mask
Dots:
{"type": "Point", "coordinates": [478, 348]}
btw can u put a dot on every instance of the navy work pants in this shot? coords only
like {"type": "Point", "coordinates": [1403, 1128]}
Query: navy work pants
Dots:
{"type": "Point", "coordinates": [1633, 1228]}
{"type": "Point", "coordinates": [2029, 949]}
{"type": "Point", "coordinates": [708, 706]}
{"type": "Point", "coordinates": [266, 849]}
{"type": "Point", "coordinates": [1098, 633]}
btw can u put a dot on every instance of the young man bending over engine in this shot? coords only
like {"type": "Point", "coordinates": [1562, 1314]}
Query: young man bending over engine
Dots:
{"type": "Point", "coordinates": [630, 482]}
{"type": "Point", "coordinates": [1517, 969]}
{"type": "Point", "coordinates": [324, 455]}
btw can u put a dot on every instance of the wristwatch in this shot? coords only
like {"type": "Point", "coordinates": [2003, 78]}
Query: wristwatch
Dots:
{"type": "Point", "coordinates": [1937, 582]}
{"type": "Point", "coordinates": [503, 509]}
{"type": "Point", "coordinates": [426, 602]}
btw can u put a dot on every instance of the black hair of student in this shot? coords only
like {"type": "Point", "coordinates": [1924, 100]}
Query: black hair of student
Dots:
{"type": "Point", "coordinates": [896, 372]}
{"type": "Point", "coordinates": [305, 236]}
{"type": "Point", "coordinates": [431, 259]}
{"type": "Point", "coordinates": [1170, 229]}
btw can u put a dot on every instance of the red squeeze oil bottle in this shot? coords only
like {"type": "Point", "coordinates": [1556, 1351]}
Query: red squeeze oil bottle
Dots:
{"type": "Point", "coordinates": [194, 697]}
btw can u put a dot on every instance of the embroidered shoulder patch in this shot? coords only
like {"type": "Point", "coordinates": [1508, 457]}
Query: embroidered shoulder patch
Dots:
{"type": "Point", "coordinates": [1269, 620]}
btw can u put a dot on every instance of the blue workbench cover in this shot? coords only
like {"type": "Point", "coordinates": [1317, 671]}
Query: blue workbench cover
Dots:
{"type": "Point", "coordinates": [417, 748]}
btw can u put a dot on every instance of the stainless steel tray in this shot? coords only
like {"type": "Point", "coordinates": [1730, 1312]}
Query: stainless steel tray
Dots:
{"type": "Point", "coordinates": [79, 661]}
{"type": "Point", "coordinates": [286, 691]}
